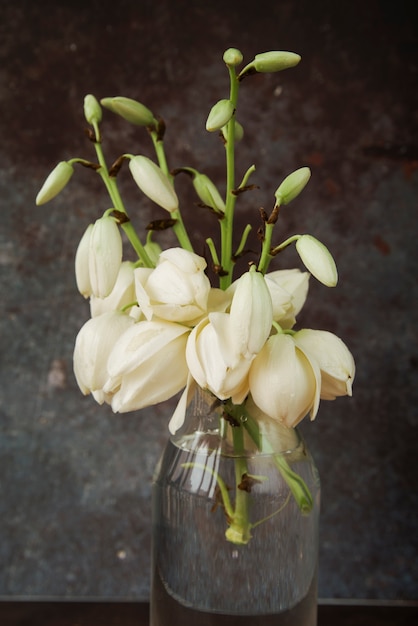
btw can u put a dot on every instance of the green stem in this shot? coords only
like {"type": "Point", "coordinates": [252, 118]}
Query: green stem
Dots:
{"type": "Point", "coordinates": [179, 229]}
{"type": "Point", "coordinates": [221, 484]}
{"type": "Point", "coordinates": [240, 527]}
{"type": "Point", "coordinates": [296, 484]}
{"type": "Point", "coordinates": [226, 224]}
{"type": "Point", "coordinates": [266, 249]}
{"type": "Point", "coordinates": [112, 188]}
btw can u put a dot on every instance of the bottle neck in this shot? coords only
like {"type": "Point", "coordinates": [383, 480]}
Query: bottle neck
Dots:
{"type": "Point", "coordinates": [234, 430]}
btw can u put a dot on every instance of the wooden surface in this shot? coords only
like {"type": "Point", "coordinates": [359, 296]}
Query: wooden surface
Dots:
{"type": "Point", "coordinates": [136, 614]}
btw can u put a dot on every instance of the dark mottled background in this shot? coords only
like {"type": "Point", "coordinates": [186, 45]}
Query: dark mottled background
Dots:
{"type": "Point", "coordinates": [75, 479]}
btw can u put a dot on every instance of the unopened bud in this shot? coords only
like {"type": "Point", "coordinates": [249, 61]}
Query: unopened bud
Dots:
{"type": "Point", "coordinates": [317, 259]}
{"type": "Point", "coordinates": [239, 132]}
{"type": "Point", "coordinates": [55, 182]}
{"type": "Point", "coordinates": [273, 61]}
{"type": "Point", "coordinates": [232, 56]}
{"type": "Point", "coordinates": [208, 193]}
{"type": "Point", "coordinates": [131, 110]}
{"type": "Point", "coordinates": [292, 185]}
{"type": "Point", "coordinates": [219, 115]}
{"type": "Point", "coordinates": [92, 110]}
{"type": "Point", "coordinates": [153, 182]}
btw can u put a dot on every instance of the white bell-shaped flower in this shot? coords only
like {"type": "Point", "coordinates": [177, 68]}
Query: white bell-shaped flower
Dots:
{"type": "Point", "coordinates": [284, 382]}
{"type": "Point", "coordinates": [93, 345]}
{"type": "Point", "coordinates": [176, 290]}
{"type": "Point", "coordinates": [213, 360]}
{"type": "Point", "coordinates": [251, 313]}
{"type": "Point", "coordinates": [147, 365]}
{"type": "Point", "coordinates": [105, 255]}
{"type": "Point", "coordinates": [122, 294]}
{"type": "Point", "coordinates": [334, 359]}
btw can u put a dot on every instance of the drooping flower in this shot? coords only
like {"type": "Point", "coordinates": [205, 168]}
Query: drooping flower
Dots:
{"type": "Point", "coordinates": [251, 313]}
{"type": "Point", "coordinates": [122, 294]}
{"type": "Point", "coordinates": [214, 361]}
{"type": "Point", "coordinates": [105, 255]}
{"type": "Point", "coordinates": [177, 290]}
{"type": "Point", "coordinates": [147, 365]}
{"type": "Point", "coordinates": [334, 359]}
{"type": "Point", "coordinates": [98, 258]}
{"type": "Point", "coordinates": [93, 344]}
{"type": "Point", "coordinates": [284, 382]}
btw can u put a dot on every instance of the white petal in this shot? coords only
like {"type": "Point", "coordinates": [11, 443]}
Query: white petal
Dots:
{"type": "Point", "coordinates": [105, 256]}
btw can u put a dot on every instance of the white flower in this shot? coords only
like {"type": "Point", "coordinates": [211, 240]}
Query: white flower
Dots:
{"type": "Point", "coordinates": [213, 360]}
{"type": "Point", "coordinates": [284, 382]}
{"type": "Point", "coordinates": [122, 294]}
{"type": "Point", "coordinates": [288, 290]}
{"type": "Point", "coordinates": [334, 358]}
{"type": "Point", "coordinates": [147, 365]}
{"type": "Point", "coordinates": [176, 290]}
{"type": "Point", "coordinates": [251, 314]}
{"type": "Point", "coordinates": [98, 258]}
{"type": "Point", "coordinates": [93, 345]}
{"type": "Point", "coordinates": [105, 255]}
{"type": "Point", "coordinates": [153, 182]}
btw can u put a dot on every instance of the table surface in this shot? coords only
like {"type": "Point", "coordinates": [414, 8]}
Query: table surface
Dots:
{"type": "Point", "coordinates": [74, 613]}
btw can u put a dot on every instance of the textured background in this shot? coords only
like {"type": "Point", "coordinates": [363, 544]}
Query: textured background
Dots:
{"type": "Point", "coordinates": [75, 479]}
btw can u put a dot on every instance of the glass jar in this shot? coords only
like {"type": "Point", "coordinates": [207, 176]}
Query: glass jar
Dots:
{"type": "Point", "coordinates": [235, 522]}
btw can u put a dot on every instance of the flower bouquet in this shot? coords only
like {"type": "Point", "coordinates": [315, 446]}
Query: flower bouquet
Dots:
{"type": "Point", "coordinates": [158, 326]}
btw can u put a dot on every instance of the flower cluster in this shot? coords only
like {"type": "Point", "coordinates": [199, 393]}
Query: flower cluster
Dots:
{"type": "Point", "coordinates": [176, 328]}
{"type": "Point", "coordinates": [158, 326]}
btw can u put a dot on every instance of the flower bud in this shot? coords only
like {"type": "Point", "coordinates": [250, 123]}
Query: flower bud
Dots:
{"type": "Point", "coordinates": [55, 182]}
{"type": "Point", "coordinates": [239, 132]}
{"type": "Point", "coordinates": [153, 250]}
{"type": "Point", "coordinates": [208, 193]}
{"type": "Point", "coordinates": [219, 115]}
{"type": "Point", "coordinates": [153, 182]}
{"type": "Point", "coordinates": [273, 61]}
{"type": "Point", "coordinates": [131, 110]}
{"type": "Point", "coordinates": [105, 256]}
{"type": "Point", "coordinates": [92, 110]}
{"type": "Point", "coordinates": [317, 259]}
{"type": "Point", "coordinates": [292, 185]}
{"type": "Point", "coordinates": [232, 56]}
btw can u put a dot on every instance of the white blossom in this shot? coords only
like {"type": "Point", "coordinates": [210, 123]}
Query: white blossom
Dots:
{"type": "Point", "coordinates": [176, 290]}
{"type": "Point", "coordinates": [93, 344]}
{"type": "Point", "coordinates": [334, 359]}
{"type": "Point", "coordinates": [284, 382]}
{"type": "Point", "coordinates": [147, 365]}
